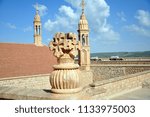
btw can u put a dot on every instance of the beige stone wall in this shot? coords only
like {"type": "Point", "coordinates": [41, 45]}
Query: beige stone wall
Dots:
{"type": "Point", "coordinates": [41, 81]}
{"type": "Point", "coordinates": [146, 84]}
{"type": "Point", "coordinates": [86, 78]}
{"type": "Point", "coordinates": [106, 72]}
{"type": "Point", "coordinates": [32, 82]}
{"type": "Point", "coordinates": [107, 62]}
{"type": "Point", "coordinates": [101, 72]}
{"type": "Point", "coordinates": [135, 69]}
{"type": "Point", "coordinates": [98, 74]}
{"type": "Point", "coordinates": [118, 85]}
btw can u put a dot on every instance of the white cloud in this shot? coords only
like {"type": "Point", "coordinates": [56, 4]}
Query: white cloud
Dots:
{"type": "Point", "coordinates": [49, 25]}
{"type": "Point", "coordinates": [121, 15]}
{"type": "Point", "coordinates": [74, 3]}
{"type": "Point", "coordinates": [143, 17]}
{"type": "Point", "coordinates": [42, 9]}
{"type": "Point", "coordinates": [97, 12]}
{"type": "Point", "coordinates": [142, 28]}
{"type": "Point", "coordinates": [66, 21]}
{"type": "Point", "coordinates": [11, 26]}
{"type": "Point", "coordinates": [68, 11]}
{"type": "Point", "coordinates": [27, 29]}
{"type": "Point", "coordinates": [138, 30]}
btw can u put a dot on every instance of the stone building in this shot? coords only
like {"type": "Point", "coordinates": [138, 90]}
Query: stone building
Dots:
{"type": "Point", "coordinates": [26, 62]}
{"type": "Point", "coordinates": [83, 35]}
{"type": "Point", "coordinates": [37, 29]}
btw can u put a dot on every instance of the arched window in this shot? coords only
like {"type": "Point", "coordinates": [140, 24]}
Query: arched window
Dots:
{"type": "Point", "coordinates": [83, 40]}
{"type": "Point", "coordinates": [36, 28]}
{"type": "Point", "coordinates": [87, 41]}
{"type": "Point", "coordinates": [39, 30]}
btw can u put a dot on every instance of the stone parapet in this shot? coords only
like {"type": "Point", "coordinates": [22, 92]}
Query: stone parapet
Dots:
{"type": "Point", "coordinates": [118, 85]}
{"type": "Point", "coordinates": [146, 84]}
{"type": "Point", "coordinates": [27, 82]}
{"type": "Point", "coordinates": [102, 72]}
{"type": "Point", "coordinates": [106, 89]}
{"type": "Point", "coordinates": [86, 78]}
{"type": "Point", "coordinates": [41, 81]}
{"type": "Point", "coordinates": [121, 62]}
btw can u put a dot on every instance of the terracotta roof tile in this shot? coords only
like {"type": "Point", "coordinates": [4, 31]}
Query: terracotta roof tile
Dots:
{"type": "Point", "coordinates": [25, 59]}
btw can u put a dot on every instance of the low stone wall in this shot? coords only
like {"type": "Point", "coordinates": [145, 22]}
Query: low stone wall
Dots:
{"type": "Point", "coordinates": [146, 84]}
{"type": "Point", "coordinates": [41, 81]}
{"type": "Point", "coordinates": [118, 85]}
{"type": "Point", "coordinates": [101, 72]}
{"type": "Point", "coordinates": [86, 78]}
{"type": "Point", "coordinates": [137, 62]}
{"type": "Point", "coordinates": [30, 82]}
{"type": "Point", "coordinates": [105, 89]}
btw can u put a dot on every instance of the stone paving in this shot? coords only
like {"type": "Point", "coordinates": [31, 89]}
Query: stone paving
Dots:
{"type": "Point", "coordinates": [28, 94]}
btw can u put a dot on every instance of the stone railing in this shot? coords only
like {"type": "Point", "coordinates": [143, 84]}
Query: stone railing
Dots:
{"type": "Point", "coordinates": [106, 89]}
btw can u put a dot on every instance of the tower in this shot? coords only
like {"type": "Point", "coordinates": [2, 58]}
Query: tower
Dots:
{"type": "Point", "coordinates": [83, 35]}
{"type": "Point", "coordinates": [37, 28]}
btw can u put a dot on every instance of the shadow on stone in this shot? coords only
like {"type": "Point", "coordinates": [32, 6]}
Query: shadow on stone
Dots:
{"type": "Point", "coordinates": [47, 90]}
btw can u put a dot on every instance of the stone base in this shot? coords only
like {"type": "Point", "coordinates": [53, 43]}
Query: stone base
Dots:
{"type": "Point", "coordinates": [73, 96]}
{"type": "Point", "coordinates": [66, 91]}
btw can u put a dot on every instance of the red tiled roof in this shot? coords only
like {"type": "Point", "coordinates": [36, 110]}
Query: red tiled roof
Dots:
{"type": "Point", "coordinates": [25, 59]}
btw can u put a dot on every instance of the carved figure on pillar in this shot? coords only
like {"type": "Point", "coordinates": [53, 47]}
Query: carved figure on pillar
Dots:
{"type": "Point", "coordinates": [64, 78]}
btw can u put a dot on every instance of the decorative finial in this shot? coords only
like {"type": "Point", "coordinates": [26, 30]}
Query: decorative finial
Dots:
{"type": "Point", "coordinates": [83, 6]}
{"type": "Point", "coordinates": [65, 78]}
{"type": "Point", "coordinates": [65, 44]}
{"type": "Point", "coordinates": [37, 8]}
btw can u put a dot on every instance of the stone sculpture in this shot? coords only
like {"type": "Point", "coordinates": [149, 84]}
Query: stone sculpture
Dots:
{"type": "Point", "coordinates": [64, 78]}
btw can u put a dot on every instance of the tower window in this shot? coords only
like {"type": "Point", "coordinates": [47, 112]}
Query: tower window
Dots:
{"type": "Point", "coordinates": [36, 30]}
{"type": "Point", "coordinates": [87, 41]}
{"type": "Point", "coordinates": [83, 40]}
{"type": "Point", "coordinates": [39, 30]}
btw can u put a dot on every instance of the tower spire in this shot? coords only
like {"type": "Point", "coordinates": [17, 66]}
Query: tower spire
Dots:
{"type": "Point", "coordinates": [37, 27]}
{"type": "Point", "coordinates": [83, 6]}
{"type": "Point", "coordinates": [83, 35]}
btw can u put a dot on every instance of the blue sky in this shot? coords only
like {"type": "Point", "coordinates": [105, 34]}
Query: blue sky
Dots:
{"type": "Point", "coordinates": [115, 25]}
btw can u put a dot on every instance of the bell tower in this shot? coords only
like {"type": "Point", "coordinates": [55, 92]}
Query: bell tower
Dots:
{"type": "Point", "coordinates": [83, 35]}
{"type": "Point", "coordinates": [37, 28]}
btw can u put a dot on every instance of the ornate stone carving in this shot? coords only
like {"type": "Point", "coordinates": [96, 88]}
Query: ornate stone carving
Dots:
{"type": "Point", "coordinates": [64, 78]}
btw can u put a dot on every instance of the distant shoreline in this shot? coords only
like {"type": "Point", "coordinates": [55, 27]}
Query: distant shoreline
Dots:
{"type": "Point", "coordinates": [121, 54]}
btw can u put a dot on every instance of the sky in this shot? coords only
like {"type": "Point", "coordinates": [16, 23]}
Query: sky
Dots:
{"type": "Point", "coordinates": [115, 25]}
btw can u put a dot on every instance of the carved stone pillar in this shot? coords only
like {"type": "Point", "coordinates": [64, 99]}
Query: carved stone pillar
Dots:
{"type": "Point", "coordinates": [64, 78]}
